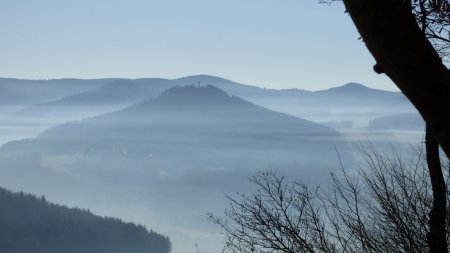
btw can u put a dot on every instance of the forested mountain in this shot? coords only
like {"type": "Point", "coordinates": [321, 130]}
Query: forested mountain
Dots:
{"type": "Point", "coordinates": [350, 102]}
{"type": "Point", "coordinates": [348, 105]}
{"type": "Point", "coordinates": [202, 124]}
{"type": "Point", "coordinates": [238, 89]}
{"type": "Point", "coordinates": [174, 156]}
{"type": "Point", "coordinates": [162, 149]}
{"type": "Point", "coordinates": [32, 225]}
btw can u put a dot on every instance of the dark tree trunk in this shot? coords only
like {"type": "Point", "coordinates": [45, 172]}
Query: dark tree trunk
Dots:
{"type": "Point", "coordinates": [401, 50]}
{"type": "Point", "coordinates": [436, 238]}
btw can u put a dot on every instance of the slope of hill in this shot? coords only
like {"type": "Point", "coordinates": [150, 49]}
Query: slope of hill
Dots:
{"type": "Point", "coordinates": [238, 89]}
{"type": "Point", "coordinates": [114, 95]}
{"type": "Point", "coordinates": [350, 102]}
{"type": "Point", "coordinates": [16, 93]}
{"type": "Point", "coordinates": [188, 122]}
{"type": "Point", "coordinates": [353, 103]}
{"type": "Point", "coordinates": [195, 118]}
{"type": "Point", "coordinates": [120, 92]}
{"type": "Point", "coordinates": [406, 121]}
{"type": "Point", "coordinates": [33, 225]}
{"type": "Point", "coordinates": [181, 150]}
{"type": "Point", "coordinates": [351, 89]}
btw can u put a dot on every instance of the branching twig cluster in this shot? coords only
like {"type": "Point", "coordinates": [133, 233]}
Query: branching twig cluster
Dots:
{"type": "Point", "coordinates": [433, 17]}
{"type": "Point", "coordinates": [382, 208]}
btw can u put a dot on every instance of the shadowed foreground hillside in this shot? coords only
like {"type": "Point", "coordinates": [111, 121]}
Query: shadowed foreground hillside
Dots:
{"type": "Point", "coordinates": [30, 224]}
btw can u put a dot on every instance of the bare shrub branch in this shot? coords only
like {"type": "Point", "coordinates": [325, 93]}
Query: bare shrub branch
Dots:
{"type": "Point", "coordinates": [382, 207]}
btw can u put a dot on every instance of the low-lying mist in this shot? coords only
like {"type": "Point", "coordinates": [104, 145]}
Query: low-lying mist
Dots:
{"type": "Point", "coordinates": [167, 155]}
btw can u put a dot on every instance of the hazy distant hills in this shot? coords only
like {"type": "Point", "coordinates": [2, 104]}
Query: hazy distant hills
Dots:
{"type": "Point", "coordinates": [17, 93]}
{"type": "Point", "coordinates": [33, 225]}
{"type": "Point", "coordinates": [237, 89]}
{"type": "Point", "coordinates": [406, 121]}
{"type": "Point", "coordinates": [117, 92]}
{"type": "Point", "coordinates": [111, 96]}
{"type": "Point", "coordinates": [339, 103]}
{"type": "Point", "coordinates": [342, 94]}
{"type": "Point", "coordinates": [187, 123]}
{"type": "Point", "coordinates": [257, 95]}
{"type": "Point", "coordinates": [175, 156]}
{"type": "Point", "coordinates": [154, 152]}
{"type": "Point", "coordinates": [353, 94]}
{"type": "Point", "coordinates": [351, 89]}
{"type": "Point", "coordinates": [350, 102]}
{"type": "Point", "coordinates": [348, 105]}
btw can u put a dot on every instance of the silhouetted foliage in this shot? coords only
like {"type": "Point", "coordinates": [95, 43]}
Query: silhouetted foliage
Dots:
{"type": "Point", "coordinates": [409, 40]}
{"type": "Point", "coordinates": [381, 208]}
{"type": "Point", "coordinates": [433, 17]}
{"type": "Point", "coordinates": [31, 224]}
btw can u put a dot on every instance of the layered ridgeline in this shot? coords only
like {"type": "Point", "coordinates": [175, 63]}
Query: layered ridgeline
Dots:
{"type": "Point", "coordinates": [352, 102]}
{"type": "Point", "coordinates": [114, 95]}
{"type": "Point", "coordinates": [33, 225]}
{"type": "Point", "coordinates": [173, 156]}
{"type": "Point", "coordinates": [399, 122]}
{"type": "Point", "coordinates": [350, 105]}
{"type": "Point", "coordinates": [186, 127]}
{"type": "Point", "coordinates": [110, 96]}
{"type": "Point", "coordinates": [73, 96]}
{"type": "Point", "coordinates": [18, 93]}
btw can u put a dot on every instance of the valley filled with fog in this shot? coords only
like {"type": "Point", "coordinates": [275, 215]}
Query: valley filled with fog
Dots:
{"type": "Point", "coordinates": [164, 153]}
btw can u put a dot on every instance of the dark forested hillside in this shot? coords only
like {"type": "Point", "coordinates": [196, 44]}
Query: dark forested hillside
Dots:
{"type": "Point", "coordinates": [31, 224]}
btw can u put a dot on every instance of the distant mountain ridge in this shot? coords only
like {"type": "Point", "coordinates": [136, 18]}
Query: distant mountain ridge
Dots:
{"type": "Point", "coordinates": [353, 87]}
{"type": "Point", "coordinates": [21, 91]}
{"type": "Point", "coordinates": [179, 151]}
{"type": "Point", "coordinates": [111, 96]}
{"type": "Point", "coordinates": [194, 94]}
{"type": "Point", "coordinates": [233, 87]}
{"type": "Point", "coordinates": [405, 121]}
{"type": "Point", "coordinates": [350, 102]}
{"type": "Point", "coordinates": [206, 104]}
{"type": "Point", "coordinates": [183, 148]}
{"type": "Point", "coordinates": [357, 93]}
{"type": "Point", "coordinates": [121, 91]}
{"type": "Point", "coordinates": [181, 122]}
{"type": "Point", "coordinates": [313, 105]}
{"type": "Point", "coordinates": [226, 84]}
{"type": "Point", "coordinates": [117, 93]}
{"type": "Point", "coordinates": [16, 94]}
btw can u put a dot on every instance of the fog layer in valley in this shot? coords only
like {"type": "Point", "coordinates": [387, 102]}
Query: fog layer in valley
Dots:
{"type": "Point", "coordinates": [164, 155]}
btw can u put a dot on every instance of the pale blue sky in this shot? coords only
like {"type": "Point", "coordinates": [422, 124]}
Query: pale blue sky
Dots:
{"type": "Point", "coordinates": [270, 43]}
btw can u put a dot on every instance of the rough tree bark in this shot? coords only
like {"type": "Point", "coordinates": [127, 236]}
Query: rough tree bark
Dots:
{"type": "Point", "coordinates": [403, 53]}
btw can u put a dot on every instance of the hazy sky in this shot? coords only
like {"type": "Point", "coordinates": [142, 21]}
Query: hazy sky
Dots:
{"type": "Point", "coordinates": [270, 43]}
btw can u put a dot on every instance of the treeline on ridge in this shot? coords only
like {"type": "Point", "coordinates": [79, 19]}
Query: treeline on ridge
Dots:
{"type": "Point", "coordinates": [31, 224]}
